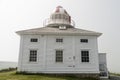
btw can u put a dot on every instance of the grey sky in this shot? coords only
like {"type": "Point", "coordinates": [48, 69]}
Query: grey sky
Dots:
{"type": "Point", "coordinates": [96, 15]}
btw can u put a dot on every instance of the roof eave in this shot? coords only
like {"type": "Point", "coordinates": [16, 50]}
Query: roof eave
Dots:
{"type": "Point", "coordinates": [49, 33]}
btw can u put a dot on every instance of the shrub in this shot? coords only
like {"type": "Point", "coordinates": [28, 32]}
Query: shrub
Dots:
{"type": "Point", "coordinates": [8, 69]}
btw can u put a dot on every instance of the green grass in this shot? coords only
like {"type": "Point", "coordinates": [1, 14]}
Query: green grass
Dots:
{"type": "Point", "coordinates": [117, 74]}
{"type": "Point", "coordinates": [11, 75]}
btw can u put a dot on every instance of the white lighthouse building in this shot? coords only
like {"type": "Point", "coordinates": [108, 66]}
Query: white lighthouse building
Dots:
{"type": "Point", "coordinates": [60, 48]}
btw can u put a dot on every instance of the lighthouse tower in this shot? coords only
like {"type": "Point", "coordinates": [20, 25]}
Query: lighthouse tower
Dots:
{"type": "Point", "coordinates": [60, 48]}
{"type": "Point", "coordinates": [60, 18]}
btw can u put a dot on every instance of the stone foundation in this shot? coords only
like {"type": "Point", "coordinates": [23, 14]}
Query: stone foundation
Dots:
{"type": "Point", "coordinates": [95, 76]}
{"type": "Point", "coordinates": [79, 75]}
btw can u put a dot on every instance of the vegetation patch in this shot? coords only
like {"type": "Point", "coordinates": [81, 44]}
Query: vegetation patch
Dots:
{"type": "Point", "coordinates": [8, 69]}
{"type": "Point", "coordinates": [116, 74]}
{"type": "Point", "coordinates": [11, 75]}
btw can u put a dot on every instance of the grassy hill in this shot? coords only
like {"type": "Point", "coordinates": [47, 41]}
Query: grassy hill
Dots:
{"type": "Point", "coordinates": [11, 75]}
{"type": "Point", "coordinates": [116, 74]}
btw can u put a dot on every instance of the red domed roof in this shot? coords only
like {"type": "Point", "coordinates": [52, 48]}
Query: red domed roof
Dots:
{"type": "Point", "coordinates": [60, 17]}
{"type": "Point", "coordinates": [60, 9]}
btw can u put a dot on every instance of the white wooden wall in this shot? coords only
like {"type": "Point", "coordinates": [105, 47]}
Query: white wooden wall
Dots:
{"type": "Point", "coordinates": [46, 47]}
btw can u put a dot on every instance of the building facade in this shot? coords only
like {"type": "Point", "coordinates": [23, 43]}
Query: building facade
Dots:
{"type": "Point", "coordinates": [59, 48]}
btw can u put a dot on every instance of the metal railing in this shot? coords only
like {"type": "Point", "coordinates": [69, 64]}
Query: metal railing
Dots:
{"type": "Point", "coordinates": [48, 21]}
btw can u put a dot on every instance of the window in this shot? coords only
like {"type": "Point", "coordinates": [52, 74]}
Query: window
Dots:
{"type": "Point", "coordinates": [34, 40]}
{"type": "Point", "coordinates": [59, 40]}
{"type": "Point", "coordinates": [59, 56]}
{"type": "Point", "coordinates": [84, 40]}
{"type": "Point", "coordinates": [62, 27]}
{"type": "Point", "coordinates": [60, 16]}
{"type": "Point", "coordinates": [57, 16]}
{"type": "Point", "coordinates": [33, 56]}
{"type": "Point", "coordinates": [85, 56]}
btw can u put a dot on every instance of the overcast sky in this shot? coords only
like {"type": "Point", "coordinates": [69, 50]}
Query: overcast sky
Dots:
{"type": "Point", "coordinates": [96, 15]}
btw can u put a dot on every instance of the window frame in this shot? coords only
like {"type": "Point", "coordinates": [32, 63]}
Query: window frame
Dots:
{"type": "Point", "coordinates": [59, 40]}
{"type": "Point", "coordinates": [33, 39]}
{"type": "Point", "coordinates": [33, 55]}
{"type": "Point", "coordinates": [85, 56]}
{"type": "Point", "coordinates": [59, 56]}
{"type": "Point", "coordinates": [84, 40]}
